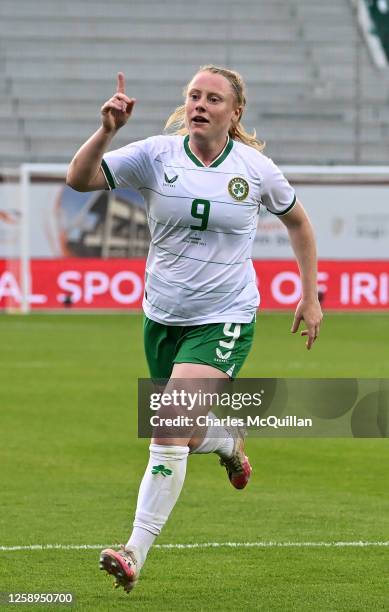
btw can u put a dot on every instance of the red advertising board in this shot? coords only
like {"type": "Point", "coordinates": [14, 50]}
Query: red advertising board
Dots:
{"type": "Point", "coordinates": [342, 285]}
{"type": "Point", "coordinates": [118, 284]}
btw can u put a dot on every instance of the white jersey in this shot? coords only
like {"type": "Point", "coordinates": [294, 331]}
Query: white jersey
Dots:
{"type": "Point", "coordinates": [202, 222]}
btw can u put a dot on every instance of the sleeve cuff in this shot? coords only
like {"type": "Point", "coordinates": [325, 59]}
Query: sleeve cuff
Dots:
{"type": "Point", "coordinates": [280, 214]}
{"type": "Point", "coordinates": [108, 175]}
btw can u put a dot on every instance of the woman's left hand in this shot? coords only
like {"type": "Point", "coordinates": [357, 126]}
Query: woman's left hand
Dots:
{"type": "Point", "coordinates": [309, 312]}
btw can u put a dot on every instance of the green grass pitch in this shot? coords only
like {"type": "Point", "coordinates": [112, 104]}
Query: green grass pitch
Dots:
{"type": "Point", "coordinates": [71, 465]}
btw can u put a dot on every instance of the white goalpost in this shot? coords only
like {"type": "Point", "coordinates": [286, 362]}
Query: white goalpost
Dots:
{"type": "Point", "coordinates": [15, 239]}
{"type": "Point", "coordinates": [27, 171]}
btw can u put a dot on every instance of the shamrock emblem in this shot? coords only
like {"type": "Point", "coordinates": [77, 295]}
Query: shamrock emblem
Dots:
{"type": "Point", "coordinates": [238, 188]}
{"type": "Point", "coordinates": [161, 469]}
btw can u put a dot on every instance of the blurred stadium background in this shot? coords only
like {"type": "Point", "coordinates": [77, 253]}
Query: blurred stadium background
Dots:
{"type": "Point", "coordinates": [318, 92]}
{"type": "Point", "coordinates": [315, 92]}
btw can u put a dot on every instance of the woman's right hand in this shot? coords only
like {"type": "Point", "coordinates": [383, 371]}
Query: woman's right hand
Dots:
{"type": "Point", "coordinates": [117, 110]}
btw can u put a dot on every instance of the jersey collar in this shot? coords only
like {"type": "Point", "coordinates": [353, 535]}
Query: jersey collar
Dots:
{"type": "Point", "coordinates": [216, 162]}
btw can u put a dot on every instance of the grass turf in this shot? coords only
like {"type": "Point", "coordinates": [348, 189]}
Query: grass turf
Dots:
{"type": "Point", "coordinates": [71, 465]}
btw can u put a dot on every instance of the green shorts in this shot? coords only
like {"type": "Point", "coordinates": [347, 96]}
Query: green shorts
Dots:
{"type": "Point", "coordinates": [224, 346]}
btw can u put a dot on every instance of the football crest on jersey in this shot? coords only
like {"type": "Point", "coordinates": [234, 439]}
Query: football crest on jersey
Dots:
{"type": "Point", "coordinates": [238, 188]}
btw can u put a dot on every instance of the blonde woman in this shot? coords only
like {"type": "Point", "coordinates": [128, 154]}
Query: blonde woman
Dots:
{"type": "Point", "coordinates": [202, 186]}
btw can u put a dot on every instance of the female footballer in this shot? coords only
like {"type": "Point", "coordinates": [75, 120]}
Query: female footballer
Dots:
{"type": "Point", "coordinates": [202, 187]}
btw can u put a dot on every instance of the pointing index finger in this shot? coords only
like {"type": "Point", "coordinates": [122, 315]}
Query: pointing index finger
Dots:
{"type": "Point", "coordinates": [121, 86]}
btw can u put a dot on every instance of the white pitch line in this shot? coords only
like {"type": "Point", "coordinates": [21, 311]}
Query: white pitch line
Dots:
{"type": "Point", "coordinates": [357, 544]}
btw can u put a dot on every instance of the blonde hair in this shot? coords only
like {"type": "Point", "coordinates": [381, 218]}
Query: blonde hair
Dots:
{"type": "Point", "coordinates": [176, 121]}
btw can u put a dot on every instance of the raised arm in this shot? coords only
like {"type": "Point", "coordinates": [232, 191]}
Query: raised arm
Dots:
{"type": "Point", "coordinates": [84, 172]}
{"type": "Point", "coordinates": [304, 246]}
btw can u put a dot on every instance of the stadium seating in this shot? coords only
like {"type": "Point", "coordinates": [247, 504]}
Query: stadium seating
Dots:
{"type": "Point", "coordinates": [314, 94]}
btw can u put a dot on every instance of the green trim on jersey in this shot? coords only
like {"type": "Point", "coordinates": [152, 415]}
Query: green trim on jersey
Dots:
{"type": "Point", "coordinates": [216, 162]}
{"type": "Point", "coordinates": [108, 175]}
{"type": "Point", "coordinates": [223, 154]}
{"type": "Point", "coordinates": [287, 210]}
{"type": "Point", "coordinates": [223, 346]}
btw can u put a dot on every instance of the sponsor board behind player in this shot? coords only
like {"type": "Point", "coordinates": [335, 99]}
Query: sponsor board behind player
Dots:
{"type": "Point", "coordinates": [203, 186]}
